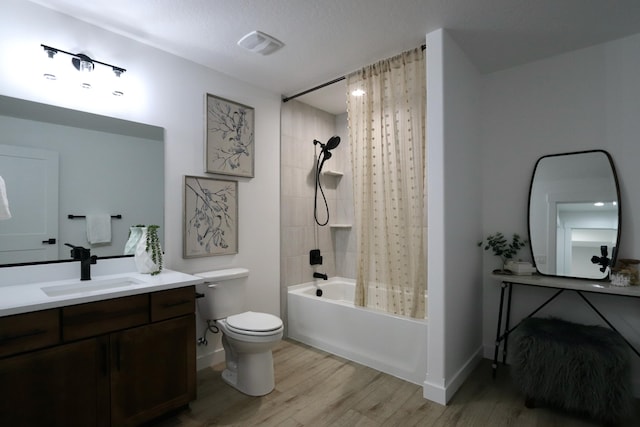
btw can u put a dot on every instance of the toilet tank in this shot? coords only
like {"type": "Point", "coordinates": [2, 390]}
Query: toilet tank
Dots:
{"type": "Point", "coordinates": [224, 293]}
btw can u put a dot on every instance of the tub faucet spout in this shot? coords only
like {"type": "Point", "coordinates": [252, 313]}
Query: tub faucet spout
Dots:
{"type": "Point", "coordinates": [320, 276]}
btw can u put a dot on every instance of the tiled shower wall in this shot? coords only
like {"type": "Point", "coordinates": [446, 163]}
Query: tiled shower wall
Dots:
{"type": "Point", "coordinates": [300, 125]}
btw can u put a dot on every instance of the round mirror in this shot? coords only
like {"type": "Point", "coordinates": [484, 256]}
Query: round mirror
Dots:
{"type": "Point", "coordinates": [574, 214]}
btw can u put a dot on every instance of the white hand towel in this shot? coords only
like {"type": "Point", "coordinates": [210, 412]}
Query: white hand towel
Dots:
{"type": "Point", "coordinates": [4, 201]}
{"type": "Point", "coordinates": [99, 228]}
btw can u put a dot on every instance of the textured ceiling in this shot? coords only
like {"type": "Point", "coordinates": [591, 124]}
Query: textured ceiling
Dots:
{"type": "Point", "coordinates": [325, 39]}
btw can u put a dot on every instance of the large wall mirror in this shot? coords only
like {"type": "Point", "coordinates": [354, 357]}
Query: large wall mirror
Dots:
{"type": "Point", "coordinates": [58, 163]}
{"type": "Point", "coordinates": [574, 214]}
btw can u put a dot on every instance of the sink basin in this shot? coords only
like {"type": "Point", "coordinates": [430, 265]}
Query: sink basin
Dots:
{"type": "Point", "coordinates": [89, 286]}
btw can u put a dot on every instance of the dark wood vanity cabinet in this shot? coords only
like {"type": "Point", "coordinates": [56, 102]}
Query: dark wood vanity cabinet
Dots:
{"type": "Point", "coordinates": [65, 385]}
{"type": "Point", "coordinates": [149, 376]}
{"type": "Point", "coordinates": [117, 362]}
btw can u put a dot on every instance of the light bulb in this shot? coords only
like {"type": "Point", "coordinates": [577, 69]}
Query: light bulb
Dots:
{"type": "Point", "coordinates": [117, 82]}
{"type": "Point", "coordinates": [86, 67]}
{"type": "Point", "coordinates": [50, 64]}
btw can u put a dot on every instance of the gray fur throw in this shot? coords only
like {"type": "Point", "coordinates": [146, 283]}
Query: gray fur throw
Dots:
{"type": "Point", "coordinates": [578, 368]}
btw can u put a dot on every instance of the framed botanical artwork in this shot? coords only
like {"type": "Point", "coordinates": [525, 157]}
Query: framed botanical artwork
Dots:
{"type": "Point", "coordinates": [210, 217]}
{"type": "Point", "coordinates": [229, 137]}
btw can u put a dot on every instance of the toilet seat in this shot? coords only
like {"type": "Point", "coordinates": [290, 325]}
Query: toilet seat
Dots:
{"type": "Point", "coordinates": [254, 324]}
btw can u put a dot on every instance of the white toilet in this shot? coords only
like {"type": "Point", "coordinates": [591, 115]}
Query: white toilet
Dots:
{"type": "Point", "coordinates": [247, 337]}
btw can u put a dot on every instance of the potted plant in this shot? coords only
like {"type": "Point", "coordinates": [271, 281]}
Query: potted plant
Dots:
{"type": "Point", "coordinates": [148, 252]}
{"type": "Point", "coordinates": [135, 234]}
{"type": "Point", "coordinates": [498, 243]}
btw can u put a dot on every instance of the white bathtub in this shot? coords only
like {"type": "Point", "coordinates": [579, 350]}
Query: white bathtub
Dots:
{"type": "Point", "coordinates": [392, 344]}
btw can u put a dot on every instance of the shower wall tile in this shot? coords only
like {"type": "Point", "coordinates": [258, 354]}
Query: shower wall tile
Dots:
{"type": "Point", "coordinates": [286, 176]}
{"type": "Point", "coordinates": [309, 241]}
{"type": "Point", "coordinates": [308, 270]}
{"type": "Point", "coordinates": [298, 125]}
{"type": "Point", "coordinates": [301, 124]}
{"type": "Point", "coordinates": [292, 243]}
{"type": "Point", "coordinates": [289, 156]}
{"type": "Point", "coordinates": [341, 212]}
{"type": "Point", "coordinates": [292, 271]}
{"type": "Point", "coordinates": [303, 211]}
{"type": "Point", "coordinates": [325, 239]}
{"type": "Point", "coordinates": [301, 179]}
{"type": "Point", "coordinates": [286, 121]}
{"type": "Point", "coordinates": [286, 211]}
{"type": "Point", "coordinates": [345, 262]}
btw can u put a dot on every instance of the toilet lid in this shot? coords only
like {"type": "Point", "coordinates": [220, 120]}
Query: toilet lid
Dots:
{"type": "Point", "coordinates": [252, 321]}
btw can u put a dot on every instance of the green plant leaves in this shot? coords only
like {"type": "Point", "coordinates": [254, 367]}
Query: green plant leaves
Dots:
{"type": "Point", "coordinates": [498, 243]}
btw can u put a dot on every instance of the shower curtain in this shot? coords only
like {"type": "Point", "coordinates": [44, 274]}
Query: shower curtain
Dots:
{"type": "Point", "coordinates": [388, 157]}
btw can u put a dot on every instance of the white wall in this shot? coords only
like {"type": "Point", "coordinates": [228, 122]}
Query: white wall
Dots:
{"type": "Point", "coordinates": [581, 100]}
{"type": "Point", "coordinates": [169, 92]}
{"type": "Point", "coordinates": [454, 217]}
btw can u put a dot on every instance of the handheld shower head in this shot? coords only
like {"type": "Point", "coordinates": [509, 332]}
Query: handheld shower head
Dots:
{"type": "Point", "coordinates": [325, 154]}
{"type": "Point", "coordinates": [333, 142]}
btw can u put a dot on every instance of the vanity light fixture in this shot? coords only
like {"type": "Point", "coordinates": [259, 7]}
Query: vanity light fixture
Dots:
{"type": "Point", "coordinates": [598, 204]}
{"type": "Point", "coordinates": [85, 65]}
{"type": "Point", "coordinates": [358, 92]}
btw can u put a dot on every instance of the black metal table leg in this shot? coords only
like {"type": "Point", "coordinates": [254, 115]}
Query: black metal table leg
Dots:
{"type": "Point", "coordinates": [506, 325]}
{"type": "Point", "coordinates": [497, 343]}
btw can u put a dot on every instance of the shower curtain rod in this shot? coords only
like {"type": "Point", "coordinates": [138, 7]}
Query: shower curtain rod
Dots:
{"type": "Point", "coordinates": [336, 80]}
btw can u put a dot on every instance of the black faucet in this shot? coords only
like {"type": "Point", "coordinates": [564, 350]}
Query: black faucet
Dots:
{"type": "Point", "coordinates": [320, 276]}
{"type": "Point", "coordinates": [603, 261]}
{"type": "Point", "coordinates": [78, 253]}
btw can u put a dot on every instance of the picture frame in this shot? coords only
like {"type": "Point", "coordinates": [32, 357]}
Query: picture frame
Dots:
{"type": "Point", "coordinates": [210, 220]}
{"type": "Point", "coordinates": [230, 148]}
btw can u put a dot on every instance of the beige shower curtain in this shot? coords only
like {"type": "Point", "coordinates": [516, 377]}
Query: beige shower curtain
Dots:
{"type": "Point", "coordinates": [388, 157]}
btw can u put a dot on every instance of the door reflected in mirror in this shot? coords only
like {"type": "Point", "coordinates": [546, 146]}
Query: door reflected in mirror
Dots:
{"type": "Point", "coordinates": [574, 214]}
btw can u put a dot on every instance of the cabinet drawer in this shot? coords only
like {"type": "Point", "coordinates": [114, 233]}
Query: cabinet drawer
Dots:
{"type": "Point", "coordinates": [29, 331]}
{"type": "Point", "coordinates": [96, 318]}
{"type": "Point", "coordinates": [172, 303]}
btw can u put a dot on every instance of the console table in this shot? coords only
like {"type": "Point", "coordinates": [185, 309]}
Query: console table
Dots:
{"type": "Point", "coordinates": [580, 286]}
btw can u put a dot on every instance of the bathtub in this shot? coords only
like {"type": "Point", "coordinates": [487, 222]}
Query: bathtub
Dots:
{"type": "Point", "coordinates": [392, 344]}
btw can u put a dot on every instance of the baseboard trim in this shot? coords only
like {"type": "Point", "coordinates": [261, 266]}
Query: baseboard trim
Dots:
{"type": "Point", "coordinates": [434, 392]}
{"type": "Point", "coordinates": [442, 393]}
{"type": "Point", "coordinates": [210, 359]}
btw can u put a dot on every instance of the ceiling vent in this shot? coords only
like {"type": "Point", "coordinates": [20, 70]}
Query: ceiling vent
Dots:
{"type": "Point", "coordinates": [258, 42]}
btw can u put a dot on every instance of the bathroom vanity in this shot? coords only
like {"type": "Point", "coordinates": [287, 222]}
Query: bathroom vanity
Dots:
{"type": "Point", "coordinates": [117, 350]}
{"type": "Point", "coordinates": [112, 356]}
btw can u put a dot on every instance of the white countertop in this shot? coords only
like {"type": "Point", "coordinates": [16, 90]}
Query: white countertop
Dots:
{"type": "Point", "coordinates": [27, 297]}
{"type": "Point", "coordinates": [601, 287]}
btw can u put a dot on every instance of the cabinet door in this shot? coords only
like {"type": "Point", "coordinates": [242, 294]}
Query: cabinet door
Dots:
{"type": "Point", "coordinates": [152, 370]}
{"type": "Point", "coordinates": [62, 386]}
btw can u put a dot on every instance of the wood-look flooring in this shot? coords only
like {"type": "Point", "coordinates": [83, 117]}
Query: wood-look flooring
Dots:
{"type": "Point", "coordinates": [315, 388]}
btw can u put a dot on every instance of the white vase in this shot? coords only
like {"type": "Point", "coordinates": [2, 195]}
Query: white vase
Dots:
{"type": "Point", "coordinates": [142, 256]}
{"type": "Point", "coordinates": [135, 233]}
